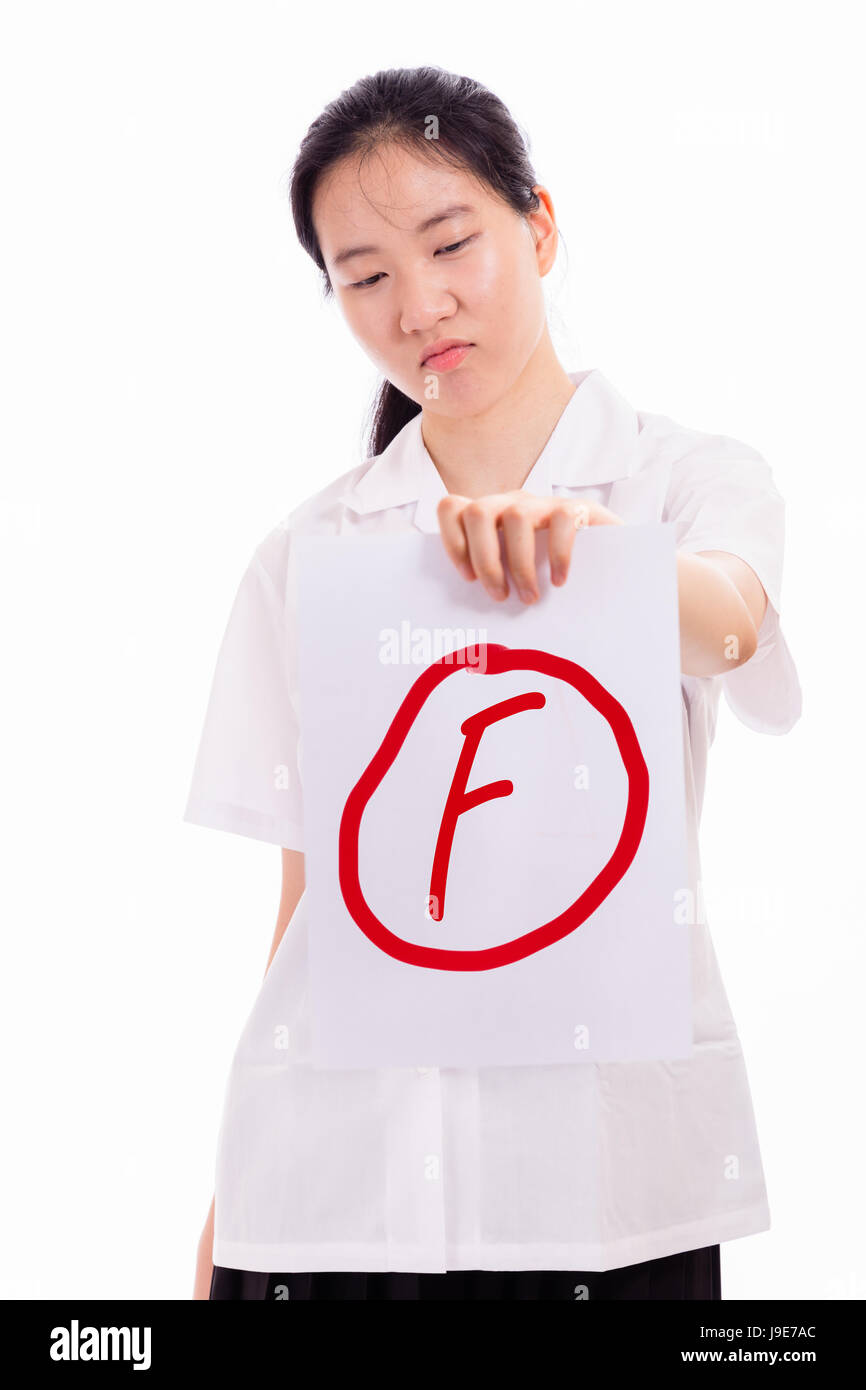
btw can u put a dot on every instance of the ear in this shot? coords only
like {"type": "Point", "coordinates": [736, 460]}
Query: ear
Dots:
{"type": "Point", "coordinates": [543, 224]}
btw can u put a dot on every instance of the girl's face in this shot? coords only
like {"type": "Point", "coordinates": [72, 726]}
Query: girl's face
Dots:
{"type": "Point", "coordinates": [416, 252]}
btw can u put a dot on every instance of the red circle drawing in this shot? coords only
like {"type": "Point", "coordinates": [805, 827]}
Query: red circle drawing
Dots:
{"type": "Point", "coordinates": [493, 659]}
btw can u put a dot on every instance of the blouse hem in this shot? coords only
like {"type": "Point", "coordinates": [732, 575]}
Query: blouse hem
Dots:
{"type": "Point", "coordinates": [581, 1255]}
{"type": "Point", "coordinates": [238, 820]}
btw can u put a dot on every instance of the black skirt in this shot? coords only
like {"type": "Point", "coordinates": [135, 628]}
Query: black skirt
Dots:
{"type": "Point", "coordinates": [691, 1274]}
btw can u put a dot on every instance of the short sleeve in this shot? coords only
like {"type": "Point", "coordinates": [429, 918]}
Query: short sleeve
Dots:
{"type": "Point", "coordinates": [722, 497]}
{"type": "Point", "coordinates": [246, 776]}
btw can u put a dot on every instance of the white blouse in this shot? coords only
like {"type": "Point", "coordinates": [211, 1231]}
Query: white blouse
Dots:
{"type": "Point", "coordinates": [580, 1166]}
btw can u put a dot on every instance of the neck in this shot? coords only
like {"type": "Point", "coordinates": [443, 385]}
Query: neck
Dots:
{"type": "Point", "coordinates": [495, 451]}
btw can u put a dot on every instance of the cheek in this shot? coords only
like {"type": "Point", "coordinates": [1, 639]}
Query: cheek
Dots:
{"type": "Point", "coordinates": [357, 315]}
{"type": "Point", "coordinates": [489, 278]}
{"type": "Point", "coordinates": [504, 287]}
{"type": "Point", "coordinates": [371, 329]}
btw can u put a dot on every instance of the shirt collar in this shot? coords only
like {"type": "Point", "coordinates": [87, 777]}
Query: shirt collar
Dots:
{"type": "Point", "coordinates": [594, 441]}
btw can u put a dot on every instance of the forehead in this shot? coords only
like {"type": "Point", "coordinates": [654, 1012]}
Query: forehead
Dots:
{"type": "Point", "coordinates": [388, 191]}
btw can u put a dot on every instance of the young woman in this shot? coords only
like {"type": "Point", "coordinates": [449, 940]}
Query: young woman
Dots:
{"type": "Point", "coordinates": [414, 195]}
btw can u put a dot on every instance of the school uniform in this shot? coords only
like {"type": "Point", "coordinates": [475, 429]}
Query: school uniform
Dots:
{"type": "Point", "coordinates": [521, 1181]}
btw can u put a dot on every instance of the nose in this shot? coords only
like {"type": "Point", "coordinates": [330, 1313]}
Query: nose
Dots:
{"type": "Point", "coordinates": [424, 303]}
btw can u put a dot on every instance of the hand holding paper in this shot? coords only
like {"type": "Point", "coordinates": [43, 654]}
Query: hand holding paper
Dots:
{"type": "Point", "coordinates": [471, 528]}
{"type": "Point", "coordinates": [721, 600]}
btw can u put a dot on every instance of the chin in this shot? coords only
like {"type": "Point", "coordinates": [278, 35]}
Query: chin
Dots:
{"type": "Point", "coordinates": [463, 393]}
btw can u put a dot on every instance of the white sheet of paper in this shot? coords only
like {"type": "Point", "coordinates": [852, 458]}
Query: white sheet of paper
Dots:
{"type": "Point", "coordinates": [468, 975]}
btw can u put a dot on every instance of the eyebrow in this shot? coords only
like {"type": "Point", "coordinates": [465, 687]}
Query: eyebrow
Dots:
{"type": "Point", "coordinates": [453, 211]}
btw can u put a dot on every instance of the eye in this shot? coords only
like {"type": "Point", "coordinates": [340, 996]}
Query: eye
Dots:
{"type": "Point", "coordinates": [446, 250]}
{"type": "Point", "coordinates": [362, 284]}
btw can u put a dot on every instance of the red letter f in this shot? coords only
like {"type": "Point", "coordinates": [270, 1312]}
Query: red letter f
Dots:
{"type": "Point", "coordinates": [459, 800]}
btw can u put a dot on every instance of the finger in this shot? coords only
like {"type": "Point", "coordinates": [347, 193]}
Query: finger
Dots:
{"type": "Point", "coordinates": [518, 529]}
{"type": "Point", "coordinates": [478, 518]}
{"type": "Point", "coordinates": [565, 521]}
{"type": "Point", "coordinates": [601, 516]}
{"type": "Point", "coordinates": [448, 514]}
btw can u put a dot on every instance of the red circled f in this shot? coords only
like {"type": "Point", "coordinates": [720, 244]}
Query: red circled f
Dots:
{"type": "Point", "coordinates": [492, 659]}
{"type": "Point", "coordinates": [459, 800]}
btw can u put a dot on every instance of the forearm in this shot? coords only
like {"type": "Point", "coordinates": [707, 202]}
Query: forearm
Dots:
{"type": "Point", "coordinates": [292, 889]}
{"type": "Point", "coordinates": [717, 631]}
{"type": "Point", "coordinates": [204, 1259]}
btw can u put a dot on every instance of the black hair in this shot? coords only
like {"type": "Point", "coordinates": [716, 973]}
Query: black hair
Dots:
{"type": "Point", "coordinates": [474, 131]}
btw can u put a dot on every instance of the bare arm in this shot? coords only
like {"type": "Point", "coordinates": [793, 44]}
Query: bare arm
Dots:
{"type": "Point", "coordinates": [721, 599]}
{"type": "Point", "coordinates": [204, 1259]}
{"type": "Point", "coordinates": [292, 888]}
{"type": "Point", "coordinates": [721, 606]}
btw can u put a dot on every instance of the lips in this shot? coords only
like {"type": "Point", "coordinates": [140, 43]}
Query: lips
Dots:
{"type": "Point", "coordinates": [445, 354]}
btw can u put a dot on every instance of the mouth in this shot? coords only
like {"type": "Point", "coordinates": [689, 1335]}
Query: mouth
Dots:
{"type": "Point", "coordinates": [445, 355]}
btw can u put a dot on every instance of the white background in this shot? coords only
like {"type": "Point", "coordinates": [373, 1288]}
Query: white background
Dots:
{"type": "Point", "coordinates": [173, 385]}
